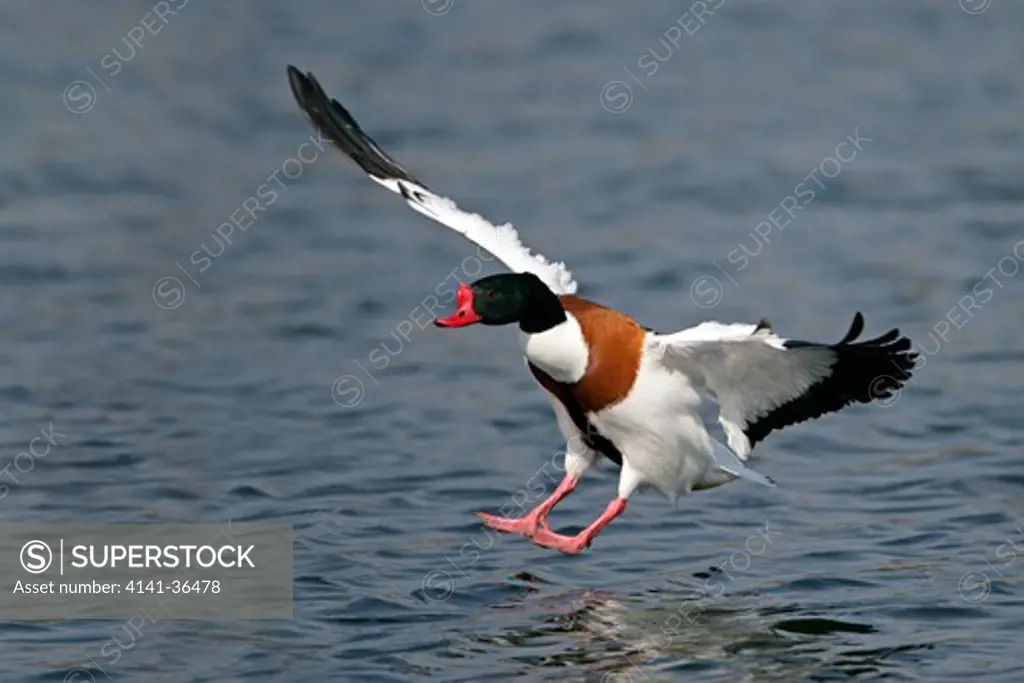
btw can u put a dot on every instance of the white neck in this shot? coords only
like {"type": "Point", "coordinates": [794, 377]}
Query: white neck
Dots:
{"type": "Point", "coordinates": [561, 352]}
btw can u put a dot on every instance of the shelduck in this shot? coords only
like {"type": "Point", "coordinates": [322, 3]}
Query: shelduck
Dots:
{"type": "Point", "coordinates": [621, 390]}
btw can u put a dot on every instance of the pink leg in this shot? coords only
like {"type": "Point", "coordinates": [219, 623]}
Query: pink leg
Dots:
{"type": "Point", "coordinates": [574, 545]}
{"type": "Point", "coordinates": [533, 520]}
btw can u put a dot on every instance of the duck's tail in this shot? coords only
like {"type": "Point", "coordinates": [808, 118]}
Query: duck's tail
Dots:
{"type": "Point", "coordinates": [726, 467]}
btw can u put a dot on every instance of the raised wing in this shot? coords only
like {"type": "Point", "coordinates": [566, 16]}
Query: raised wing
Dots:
{"type": "Point", "coordinates": [763, 382]}
{"type": "Point", "coordinates": [337, 124]}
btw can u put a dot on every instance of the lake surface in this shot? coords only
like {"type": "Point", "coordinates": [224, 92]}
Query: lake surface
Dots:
{"type": "Point", "coordinates": [281, 377]}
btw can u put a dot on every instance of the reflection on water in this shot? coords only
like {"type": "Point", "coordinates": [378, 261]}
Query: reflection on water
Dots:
{"type": "Point", "coordinates": [668, 635]}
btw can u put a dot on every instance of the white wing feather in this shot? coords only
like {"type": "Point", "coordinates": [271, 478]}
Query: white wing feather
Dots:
{"type": "Point", "coordinates": [763, 382]}
{"type": "Point", "coordinates": [746, 373]}
{"type": "Point", "coordinates": [502, 241]}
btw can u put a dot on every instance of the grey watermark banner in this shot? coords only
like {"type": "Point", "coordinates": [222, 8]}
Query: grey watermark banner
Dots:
{"type": "Point", "coordinates": [172, 571]}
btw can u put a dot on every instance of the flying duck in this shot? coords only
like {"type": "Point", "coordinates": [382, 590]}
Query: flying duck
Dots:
{"type": "Point", "coordinates": [621, 390]}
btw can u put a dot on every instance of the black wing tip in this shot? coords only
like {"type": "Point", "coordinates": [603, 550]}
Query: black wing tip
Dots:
{"type": "Point", "coordinates": [315, 104]}
{"type": "Point", "coordinates": [891, 340]}
{"type": "Point", "coordinates": [870, 371]}
{"type": "Point", "coordinates": [296, 76]}
{"type": "Point", "coordinates": [889, 356]}
{"type": "Point", "coordinates": [887, 361]}
{"type": "Point", "coordinates": [856, 328]}
{"type": "Point", "coordinates": [335, 123]}
{"type": "Point", "coordinates": [305, 89]}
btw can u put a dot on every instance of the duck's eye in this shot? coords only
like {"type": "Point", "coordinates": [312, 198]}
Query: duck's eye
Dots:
{"type": "Point", "coordinates": [490, 295]}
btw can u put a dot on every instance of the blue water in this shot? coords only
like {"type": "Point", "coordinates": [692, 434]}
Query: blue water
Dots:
{"type": "Point", "coordinates": [649, 149]}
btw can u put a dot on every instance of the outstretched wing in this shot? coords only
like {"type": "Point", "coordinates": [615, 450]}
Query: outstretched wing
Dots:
{"type": "Point", "coordinates": [337, 124]}
{"type": "Point", "coordinates": [763, 382]}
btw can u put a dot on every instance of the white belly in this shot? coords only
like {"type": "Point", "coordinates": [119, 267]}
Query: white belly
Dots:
{"type": "Point", "coordinates": [664, 442]}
